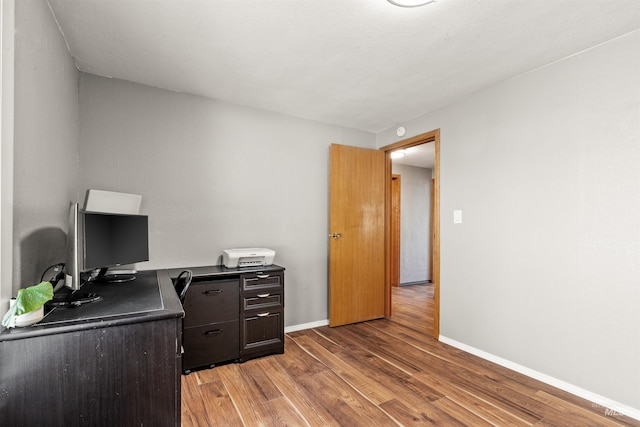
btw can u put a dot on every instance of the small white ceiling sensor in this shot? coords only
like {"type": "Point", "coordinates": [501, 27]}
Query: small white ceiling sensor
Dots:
{"type": "Point", "coordinates": [410, 3]}
{"type": "Point", "coordinates": [401, 131]}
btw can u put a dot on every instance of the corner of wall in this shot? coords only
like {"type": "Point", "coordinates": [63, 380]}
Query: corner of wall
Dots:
{"type": "Point", "coordinates": [7, 28]}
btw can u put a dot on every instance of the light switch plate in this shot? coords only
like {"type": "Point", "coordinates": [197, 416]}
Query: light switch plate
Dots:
{"type": "Point", "coordinates": [457, 217]}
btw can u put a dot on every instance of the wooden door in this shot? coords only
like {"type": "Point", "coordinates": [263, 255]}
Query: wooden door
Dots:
{"type": "Point", "coordinates": [395, 230]}
{"type": "Point", "coordinates": [356, 234]}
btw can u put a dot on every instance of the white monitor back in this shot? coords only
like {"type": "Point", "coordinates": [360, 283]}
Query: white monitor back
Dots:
{"type": "Point", "coordinates": [112, 202]}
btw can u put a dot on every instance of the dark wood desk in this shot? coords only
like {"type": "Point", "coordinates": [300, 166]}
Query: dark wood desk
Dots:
{"type": "Point", "coordinates": [114, 362]}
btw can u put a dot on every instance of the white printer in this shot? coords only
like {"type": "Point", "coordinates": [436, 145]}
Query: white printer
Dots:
{"type": "Point", "coordinates": [247, 257]}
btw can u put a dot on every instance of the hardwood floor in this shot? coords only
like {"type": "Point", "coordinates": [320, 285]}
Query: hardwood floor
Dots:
{"type": "Point", "coordinates": [387, 372]}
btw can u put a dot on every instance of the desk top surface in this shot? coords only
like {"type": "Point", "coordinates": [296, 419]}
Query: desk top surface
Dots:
{"type": "Point", "coordinates": [220, 270]}
{"type": "Point", "coordinates": [149, 297]}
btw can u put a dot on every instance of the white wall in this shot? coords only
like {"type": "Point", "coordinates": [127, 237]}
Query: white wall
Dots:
{"type": "Point", "coordinates": [215, 176]}
{"type": "Point", "coordinates": [544, 271]}
{"type": "Point", "coordinates": [415, 219]}
{"type": "Point", "coordinates": [46, 137]}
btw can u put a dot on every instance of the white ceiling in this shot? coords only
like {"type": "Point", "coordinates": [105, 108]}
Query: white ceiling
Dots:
{"type": "Point", "coordinates": [364, 64]}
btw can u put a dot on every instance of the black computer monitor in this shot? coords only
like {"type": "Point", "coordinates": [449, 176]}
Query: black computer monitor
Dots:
{"type": "Point", "coordinates": [98, 240]}
{"type": "Point", "coordinates": [112, 240]}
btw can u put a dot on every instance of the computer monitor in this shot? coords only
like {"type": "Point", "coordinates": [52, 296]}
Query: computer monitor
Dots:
{"type": "Point", "coordinates": [112, 240]}
{"type": "Point", "coordinates": [99, 240]}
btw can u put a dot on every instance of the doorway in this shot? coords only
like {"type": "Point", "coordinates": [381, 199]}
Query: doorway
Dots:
{"type": "Point", "coordinates": [410, 251]}
{"type": "Point", "coordinates": [429, 137]}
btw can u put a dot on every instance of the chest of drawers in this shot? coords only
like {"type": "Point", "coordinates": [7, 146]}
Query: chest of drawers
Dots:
{"type": "Point", "coordinates": [261, 314]}
{"type": "Point", "coordinates": [232, 315]}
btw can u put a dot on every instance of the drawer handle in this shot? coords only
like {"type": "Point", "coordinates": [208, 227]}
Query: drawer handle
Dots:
{"type": "Point", "coordinates": [212, 291]}
{"type": "Point", "coordinates": [213, 332]}
{"type": "Point", "coordinates": [263, 314]}
{"type": "Point", "coordinates": [263, 295]}
{"type": "Point", "coordinates": [262, 275]}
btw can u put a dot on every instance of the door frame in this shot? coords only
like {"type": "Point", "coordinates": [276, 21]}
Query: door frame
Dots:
{"type": "Point", "coordinates": [432, 136]}
{"type": "Point", "coordinates": [396, 184]}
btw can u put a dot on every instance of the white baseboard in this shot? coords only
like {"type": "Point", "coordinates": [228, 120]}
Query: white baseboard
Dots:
{"type": "Point", "coordinates": [608, 405]}
{"type": "Point", "coordinates": [304, 326]}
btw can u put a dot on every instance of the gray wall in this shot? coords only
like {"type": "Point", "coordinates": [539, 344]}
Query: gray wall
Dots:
{"type": "Point", "coordinates": [7, 60]}
{"type": "Point", "coordinates": [46, 142]}
{"type": "Point", "coordinates": [544, 271]}
{"type": "Point", "coordinates": [215, 176]}
{"type": "Point", "coordinates": [415, 217]}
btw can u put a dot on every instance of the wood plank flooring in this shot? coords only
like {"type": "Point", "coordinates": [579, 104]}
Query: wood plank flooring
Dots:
{"type": "Point", "coordinates": [387, 372]}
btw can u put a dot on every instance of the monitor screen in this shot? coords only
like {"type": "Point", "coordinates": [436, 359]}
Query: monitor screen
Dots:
{"type": "Point", "coordinates": [114, 239]}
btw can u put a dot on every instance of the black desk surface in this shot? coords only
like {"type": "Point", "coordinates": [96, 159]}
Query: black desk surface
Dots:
{"type": "Point", "coordinates": [220, 270]}
{"type": "Point", "coordinates": [149, 297]}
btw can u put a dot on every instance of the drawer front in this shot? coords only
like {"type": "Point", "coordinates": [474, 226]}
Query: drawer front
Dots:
{"type": "Point", "coordinates": [262, 300]}
{"type": "Point", "coordinates": [262, 329]}
{"type": "Point", "coordinates": [262, 281]}
{"type": "Point", "coordinates": [211, 301]}
{"type": "Point", "coordinates": [210, 344]}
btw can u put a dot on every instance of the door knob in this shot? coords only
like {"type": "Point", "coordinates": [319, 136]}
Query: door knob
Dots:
{"type": "Point", "coordinates": [335, 235]}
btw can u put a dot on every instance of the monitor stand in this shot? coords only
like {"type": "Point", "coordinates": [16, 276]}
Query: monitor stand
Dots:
{"type": "Point", "coordinates": [116, 276]}
{"type": "Point", "coordinates": [68, 298]}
